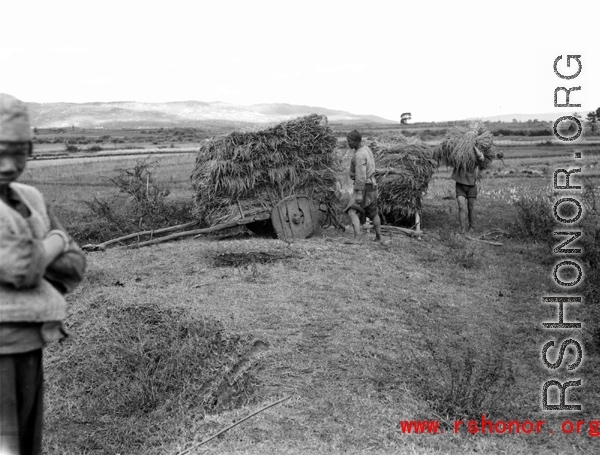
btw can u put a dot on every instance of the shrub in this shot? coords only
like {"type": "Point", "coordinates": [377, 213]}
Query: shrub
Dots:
{"type": "Point", "coordinates": [466, 257]}
{"type": "Point", "coordinates": [590, 257]}
{"type": "Point", "coordinates": [93, 228]}
{"type": "Point", "coordinates": [535, 219]}
{"type": "Point", "coordinates": [540, 132]}
{"type": "Point", "coordinates": [590, 244]}
{"type": "Point", "coordinates": [150, 208]}
{"type": "Point", "coordinates": [462, 380]}
{"type": "Point", "coordinates": [141, 205]}
{"type": "Point", "coordinates": [536, 222]}
{"type": "Point", "coordinates": [456, 243]}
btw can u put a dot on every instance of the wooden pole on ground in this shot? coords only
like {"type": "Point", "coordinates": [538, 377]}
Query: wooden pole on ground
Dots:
{"type": "Point", "coordinates": [198, 232]}
{"type": "Point", "coordinates": [231, 426]}
{"type": "Point", "coordinates": [103, 245]}
{"type": "Point", "coordinates": [409, 232]}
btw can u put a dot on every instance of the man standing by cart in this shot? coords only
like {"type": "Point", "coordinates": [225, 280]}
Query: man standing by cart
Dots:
{"type": "Point", "coordinates": [363, 201]}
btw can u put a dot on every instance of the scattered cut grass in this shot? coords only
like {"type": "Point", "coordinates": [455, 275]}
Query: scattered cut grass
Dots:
{"type": "Point", "coordinates": [340, 322]}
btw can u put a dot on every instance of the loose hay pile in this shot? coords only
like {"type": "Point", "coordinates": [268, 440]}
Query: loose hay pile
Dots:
{"type": "Point", "coordinates": [244, 173]}
{"type": "Point", "coordinates": [458, 148]}
{"type": "Point", "coordinates": [404, 167]}
{"type": "Point", "coordinates": [166, 359]}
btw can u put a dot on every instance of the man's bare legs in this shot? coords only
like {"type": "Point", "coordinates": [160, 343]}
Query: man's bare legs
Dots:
{"type": "Point", "coordinates": [355, 223]}
{"type": "Point", "coordinates": [462, 213]}
{"type": "Point", "coordinates": [471, 207]}
{"type": "Point", "coordinates": [377, 226]}
{"type": "Point", "coordinates": [466, 213]}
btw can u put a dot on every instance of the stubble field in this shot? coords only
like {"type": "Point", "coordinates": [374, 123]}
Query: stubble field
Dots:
{"type": "Point", "coordinates": [164, 347]}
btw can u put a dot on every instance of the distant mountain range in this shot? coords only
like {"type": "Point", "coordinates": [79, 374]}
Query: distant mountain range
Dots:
{"type": "Point", "coordinates": [131, 114]}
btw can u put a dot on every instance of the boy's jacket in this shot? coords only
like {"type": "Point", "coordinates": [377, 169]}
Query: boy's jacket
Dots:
{"type": "Point", "coordinates": [28, 293]}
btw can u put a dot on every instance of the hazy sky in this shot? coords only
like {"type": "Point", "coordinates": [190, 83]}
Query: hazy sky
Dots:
{"type": "Point", "coordinates": [439, 60]}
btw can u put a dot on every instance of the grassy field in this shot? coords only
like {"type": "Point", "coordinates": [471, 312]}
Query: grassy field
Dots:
{"type": "Point", "coordinates": [163, 352]}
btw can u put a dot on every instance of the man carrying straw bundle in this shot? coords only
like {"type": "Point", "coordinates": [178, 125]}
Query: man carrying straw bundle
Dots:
{"type": "Point", "coordinates": [364, 197]}
{"type": "Point", "coordinates": [466, 192]}
{"type": "Point", "coordinates": [468, 149]}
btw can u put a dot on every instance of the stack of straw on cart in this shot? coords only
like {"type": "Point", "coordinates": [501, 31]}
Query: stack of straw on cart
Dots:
{"type": "Point", "coordinates": [245, 173]}
{"type": "Point", "coordinates": [404, 167]}
{"type": "Point", "coordinates": [458, 148]}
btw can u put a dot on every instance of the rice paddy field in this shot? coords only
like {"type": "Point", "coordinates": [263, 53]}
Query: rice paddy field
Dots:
{"type": "Point", "coordinates": [171, 344]}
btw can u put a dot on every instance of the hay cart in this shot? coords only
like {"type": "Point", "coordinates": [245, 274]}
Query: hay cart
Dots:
{"type": "Point", "coordinates": [277, 173]}
{"type": "Point", "coordinates": [268, 180]}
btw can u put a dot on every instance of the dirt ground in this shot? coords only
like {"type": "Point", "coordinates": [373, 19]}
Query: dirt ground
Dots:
{"type": "Point", "coordinates": [345, 327]}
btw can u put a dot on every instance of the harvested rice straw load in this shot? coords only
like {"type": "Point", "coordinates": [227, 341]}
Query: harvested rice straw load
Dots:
{"type": "Point", "coordinates": [404, 167]}
{"type": "Point", "coordinates": [248, 172]}
{"type": "Point", "coordinates": [458, 148]}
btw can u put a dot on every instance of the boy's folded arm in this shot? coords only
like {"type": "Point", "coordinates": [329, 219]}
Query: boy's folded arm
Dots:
{"type": "Point", "coordinates": [66, 272]}
{"type": "Point", "coordinates": [68, 269]}
{"type": "Point", "coordinates": [21, 260]}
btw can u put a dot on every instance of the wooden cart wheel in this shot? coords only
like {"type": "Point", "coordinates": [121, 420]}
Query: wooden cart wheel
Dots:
{"type": "Point", "coordinates": [296, 217]}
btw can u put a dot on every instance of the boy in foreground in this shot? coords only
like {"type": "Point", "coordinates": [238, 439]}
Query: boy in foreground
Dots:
{"type": "Point", "coordinates": [39, 263]}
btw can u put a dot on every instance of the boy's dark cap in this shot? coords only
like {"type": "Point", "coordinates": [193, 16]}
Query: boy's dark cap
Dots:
{"type": "Point", "coordinates": [14, 120]}
{"type": "Point", "coordinates": [354, 136]}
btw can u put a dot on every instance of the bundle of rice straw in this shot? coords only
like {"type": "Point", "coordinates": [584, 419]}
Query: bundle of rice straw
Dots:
{"type": "Point", "coordinates": [404, 166]}
{"type": "Point", "coordinates": [247, 172]}
{"type": "Point", "coordinates": [458, 147]}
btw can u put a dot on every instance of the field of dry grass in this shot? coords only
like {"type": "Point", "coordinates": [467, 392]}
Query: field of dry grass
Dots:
{"type": "Point", "coordinates": [358, 336]}
{"type": "Point", "coordinates": [347, 329]}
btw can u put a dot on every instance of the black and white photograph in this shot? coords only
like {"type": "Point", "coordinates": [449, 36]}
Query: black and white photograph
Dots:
{"type": "Point", "coordinates": [299, 227]}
